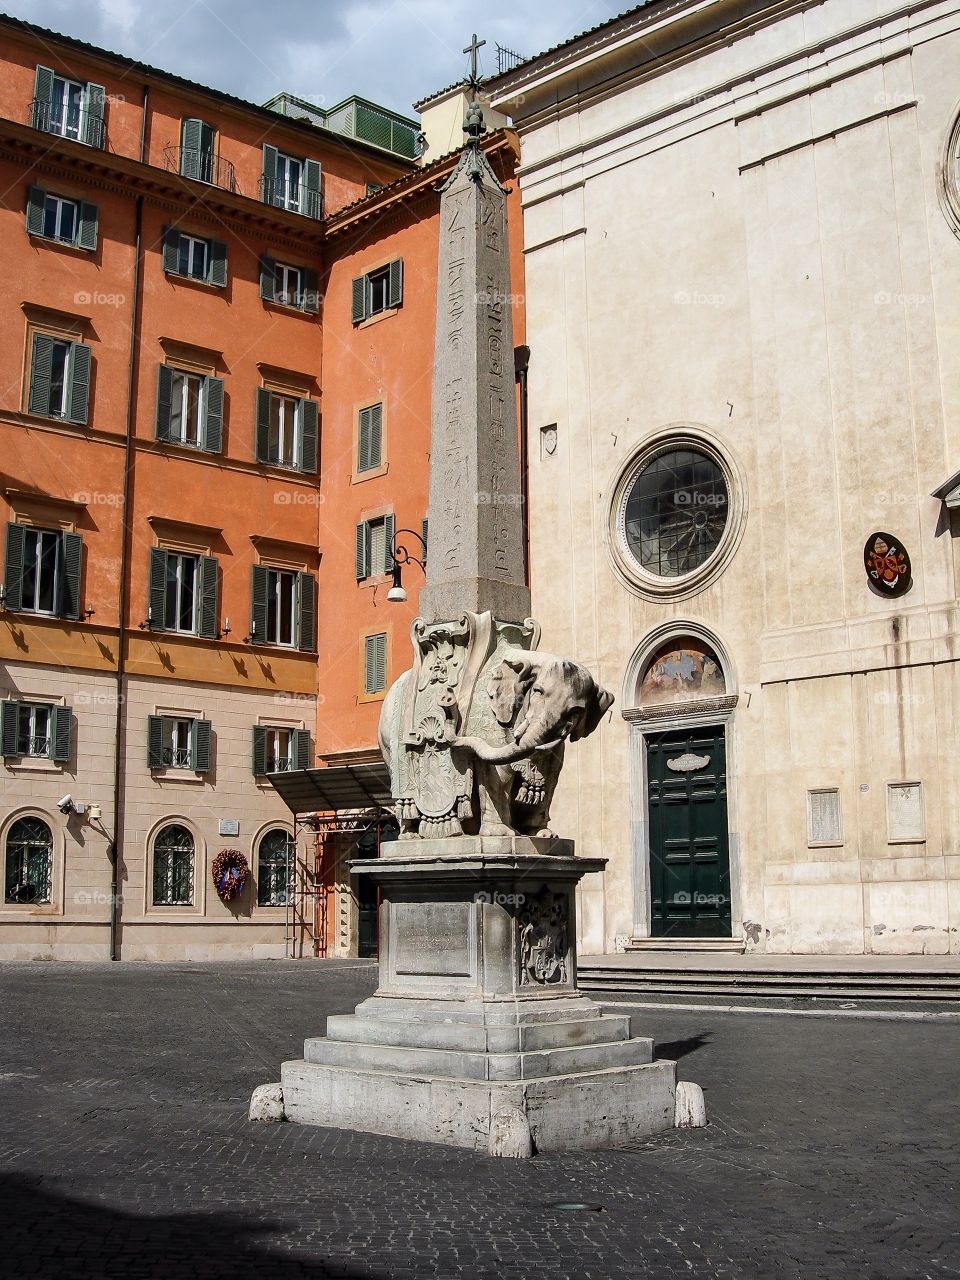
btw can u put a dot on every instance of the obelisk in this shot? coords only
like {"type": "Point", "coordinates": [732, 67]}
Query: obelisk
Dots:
{"type": "Point", "coordinates": [477, 1036]}
{"type": "Point", "coordinates": [476, 520]}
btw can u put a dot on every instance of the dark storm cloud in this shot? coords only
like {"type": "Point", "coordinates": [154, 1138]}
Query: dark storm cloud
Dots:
{"type": "Point", "coordinates": [393, 51]}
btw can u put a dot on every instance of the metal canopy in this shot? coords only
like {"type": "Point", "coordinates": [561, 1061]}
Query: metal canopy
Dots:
{"type": "Point", "coordinates": [339, 786]}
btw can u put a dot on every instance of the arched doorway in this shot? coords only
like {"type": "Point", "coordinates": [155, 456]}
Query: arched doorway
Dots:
{"type": "Point", "coordinates": [678, 699]}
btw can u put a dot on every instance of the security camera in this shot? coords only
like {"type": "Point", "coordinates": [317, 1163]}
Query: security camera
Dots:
{"type": "Point", "coordinates": [65, 804]}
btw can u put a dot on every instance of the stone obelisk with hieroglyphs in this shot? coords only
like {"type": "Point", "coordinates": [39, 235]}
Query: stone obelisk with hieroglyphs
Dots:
{"type": "Point", "coordinates": [476, 521]}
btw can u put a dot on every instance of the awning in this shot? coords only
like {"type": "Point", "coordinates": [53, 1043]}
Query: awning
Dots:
{"type": "Point", "coordinates": [338, 787]}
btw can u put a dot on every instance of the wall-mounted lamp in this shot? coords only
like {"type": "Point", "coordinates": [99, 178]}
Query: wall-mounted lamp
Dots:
{"type": "Point", "coordinates": [147, 623]}
{"type": "Point", "coordinates": [401, 556]}
{"type": "Point", "coordinates": [225, 629]}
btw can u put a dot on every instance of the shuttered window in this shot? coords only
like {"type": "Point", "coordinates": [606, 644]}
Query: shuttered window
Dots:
{"type": "Point", "coordinates": [279, 749]}
{"type": "Point", "coordinates": [61, 218]}
{"type": "Point", "coordinates": [290, 182]}
{"type": "Point", "coordinates": [179, 742]}
{"type": "Point", "coordinates": [289, 286]}
{"type": "Point", "coordinates": [42, 570]}
{"type": "Point", "coordinates": [370, 438]}
{"type": "Point", "coordinates": [374, 547]}
{"type": "Point", "coordinates": [71, 108]}
{"type": "Point", "coordinates": [194, 257]}
{"type": "Point", "coordinates": [35, 729]}
{"type": "Point", "coordinates": [287, 430]}
{"type": "Point", "coordinates": [375, 663]}
{"type": "Point", "coordinates": [379, 290]}
{"type": "Point", "coordinates": [59, 378]}
{"type": "Point", "coordinates": [197, 140]}
{"type": "Point", "coordinates": [189, 408]}
{"type": "Point", "coordinates": [183, 593]}
{"type": "Point", "coordinates": [283, 607]}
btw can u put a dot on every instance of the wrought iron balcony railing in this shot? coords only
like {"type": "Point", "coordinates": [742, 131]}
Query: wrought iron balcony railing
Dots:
{"type": "Point", "coordinates": [82, 124]}
{"type": "Point", "coordinates": [298, 199]}
{"type": "Point", "coordinates": [205, 166]}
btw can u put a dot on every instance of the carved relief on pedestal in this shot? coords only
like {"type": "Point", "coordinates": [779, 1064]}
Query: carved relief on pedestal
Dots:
{"type": "Point", "coordinates": [543, 940]}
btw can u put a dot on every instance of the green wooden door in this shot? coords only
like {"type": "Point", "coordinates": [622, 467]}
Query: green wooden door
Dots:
{"type": "Point", "coordinates": [689, 849]}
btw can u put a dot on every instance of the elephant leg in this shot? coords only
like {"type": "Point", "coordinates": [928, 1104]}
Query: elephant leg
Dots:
{"type": "Point", "coordinates": [494, 803]}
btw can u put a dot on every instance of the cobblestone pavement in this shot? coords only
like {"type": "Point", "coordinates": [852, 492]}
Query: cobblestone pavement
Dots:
{"type": "Point", "coordinates": [833, 1148]}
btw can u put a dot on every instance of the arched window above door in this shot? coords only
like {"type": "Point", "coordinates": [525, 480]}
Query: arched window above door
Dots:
{"type": "Point", "coordinates": [682, 669]}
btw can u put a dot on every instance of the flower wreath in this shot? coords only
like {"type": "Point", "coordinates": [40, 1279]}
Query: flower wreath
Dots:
{"type": "Point", "coordinates": [230, 872]}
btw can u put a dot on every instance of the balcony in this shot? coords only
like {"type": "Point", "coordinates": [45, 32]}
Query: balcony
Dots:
{"type": "Point", "coordinates": [297, 198]}
{"type": "Point", "coordinates": [204, 166]}
{"type": "Point", "coordinates": [84, 125]}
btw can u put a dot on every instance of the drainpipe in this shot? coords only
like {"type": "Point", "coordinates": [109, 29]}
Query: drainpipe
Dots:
{"type": "Point", "coordinates": [521, 362]}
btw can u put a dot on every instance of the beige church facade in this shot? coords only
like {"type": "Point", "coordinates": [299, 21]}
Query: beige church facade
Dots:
{"type": "Point", "coordinates": [742, 253]}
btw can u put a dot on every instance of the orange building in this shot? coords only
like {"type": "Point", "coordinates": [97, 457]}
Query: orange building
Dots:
{"type": "Point", "coordinates": [214, 414]}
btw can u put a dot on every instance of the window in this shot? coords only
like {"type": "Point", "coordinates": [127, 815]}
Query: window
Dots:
{"type": "Point", "coordinates": [377, 291]}
{"type": "Point", "coordinates": [904, 812]}
{"type": "Point", "coordinates": [197, 140]}
{"type": "Point", "coordinates": [173, 858]}
{"type": "Point", "coordinates": [59, 378]}
{"type": "Point", "coordinates": [189, 408]}
{"type": "Point", "coordinates": [283, 607]}
{"type": "Point", "coordinates": [277, 749]}
{"type": "Point", "coordinates": [68, 107]}
{"type": "Point", "coordinates": [370, 438]}
{"type": "Point", "coordinates": [287, 430]}
{"type": "Point", "coordinates": [178, 742]}
{"type": "Point", "coordinates": [29, 862]}
{"type": "Point", "coordinates": [274, 854]}
{"type": "Point", "coordinates": [42, 571]}
{"type": "Point", "coordinates": [374, 540]}
{"type": "Point", "coordinates": [675, 512]}
{"type": "Point", "coordinates": [288, 285]}
{"type": "Point", "coordinates": [38, 730]}
{"type": "Point", "coordinates": [290, 182]}
{"type": "Point", "coordinates": [61, 218]}
{"type": "Point", "coordinates": [823, 816]}
{"type": "Point", "coordinates": [183, 589]}
{"type": "Point", "coordinates": [375, 663]}
{"type": "Point", "coordinates": [194, 257]}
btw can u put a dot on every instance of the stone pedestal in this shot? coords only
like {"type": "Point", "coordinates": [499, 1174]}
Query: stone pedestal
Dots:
{"type": "Point", "coordinates": [477, 1028]}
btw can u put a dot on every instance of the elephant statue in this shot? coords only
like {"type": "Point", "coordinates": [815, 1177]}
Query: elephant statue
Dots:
{"type": "Point", "coordinates": [538, 702]}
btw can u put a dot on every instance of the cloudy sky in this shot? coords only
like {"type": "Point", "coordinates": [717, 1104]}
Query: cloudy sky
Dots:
{"type": "Point", "coordinates": [393, 51]}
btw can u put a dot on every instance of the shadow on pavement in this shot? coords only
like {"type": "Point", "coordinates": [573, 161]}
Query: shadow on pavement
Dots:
{"type": "Point", "coordinates": [47, 1233]}
{"type": "Point", "coordinates": [676, 1049]}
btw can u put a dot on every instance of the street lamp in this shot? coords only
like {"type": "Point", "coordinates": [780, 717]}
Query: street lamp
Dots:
{"type": "Point", "coordinates": [401, 556]}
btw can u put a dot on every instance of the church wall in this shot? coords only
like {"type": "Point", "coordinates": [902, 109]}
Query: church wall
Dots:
{"type": "Point", "coordinates": [752, 241]}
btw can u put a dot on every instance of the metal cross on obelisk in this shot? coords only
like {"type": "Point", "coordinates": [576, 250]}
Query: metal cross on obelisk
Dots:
{"type": "Point", "coordinates": [473, 48]}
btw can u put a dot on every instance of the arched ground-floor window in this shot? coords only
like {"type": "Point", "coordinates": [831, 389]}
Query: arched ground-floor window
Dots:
{"type": "Point", "coordinates": [29, 861]}
{"type": "Point", "coordinates": [274, 853]}
{"type": "Point", "coordinates": [173, 860]}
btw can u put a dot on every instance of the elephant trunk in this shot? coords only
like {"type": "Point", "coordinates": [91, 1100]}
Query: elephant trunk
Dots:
{"type": "Point", "coordinates": [508, 753]}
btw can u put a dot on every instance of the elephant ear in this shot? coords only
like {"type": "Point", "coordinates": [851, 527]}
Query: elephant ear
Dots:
{"type": "Point", "coordinates": [507, 685]}
{"type": "Point", "coordinates": [597, 703]}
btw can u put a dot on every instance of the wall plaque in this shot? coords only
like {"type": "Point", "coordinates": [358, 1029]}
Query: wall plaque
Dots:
{"type": "Point", "coordinates": [432, 938]}
{"type": "Point", "coordinates": [887, 564]}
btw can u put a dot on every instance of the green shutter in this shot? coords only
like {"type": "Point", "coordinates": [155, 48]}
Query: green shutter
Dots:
{"type": "Point", "coordinates": [13, 567]}
{"type": "Point", "coordinates": [309, 435]}
{"type": "Point", "coordinates": [164, 401]}
{"type": "Point", "coordinates": [370, 443]}
{"type": "Point", "coordinates": [311, 181]}
{"type": "Point", "coordinates": [310, 291]}
{"type": "Point", "coordinates": [36, 201]}
{"type": "Point", "coordinates": [423, 534]}
{"type": "Point", "coordinates": [157, 594]}
{"type": "Point", "coordinates": [258, 603]}
{"type": "Point", "coordinates": [41, 363]}
{"type": "Point", "coordinates": [42, 98]}
{"type": "Point", "coordinates": [207, 613]}
{"type": "Point", "coordinates": [87, 229]}
{"type": "Point", "coordinates": [263, 425]}
{"type": "Point", "coordinates": [307, 604]}
{"type": "Point", "coordinates": [9, 716]}
{"type": "Point", "coordinates": [395, 283]}
{"type": "Point", "coordinates": [375, 663]}
{"type": "Point", "coordinates": [269, 193]}
{"type": "Point", "coordinates": [154, 742]}
{"type": "Point", "coordinates": [218, 263]}
{"type": "Point", "coordinates": [171, 250]}
{"type": "Point", "coordinates": [191, 136]}
{"type": "Point", "coordinates": [93, 100]}
{"type": "Point", "coordinates": [201, 745]}
{"type": "Point", "coordinates": [71, 558]}
{"type": "Point", "coordinates": [388, 528]}
{"type": "Point", "coordinates": [211, 426]}
{"type": "Point", "coordinates": [268, 278]}
{"type": "Point", "coordinates": [62, 734]}
{"type": "Point", "coordinates": [259, 750]}
{"type": "Point", "coordinates": [358, 299]}
{"type": "Point", "coordinates": [301, 748]}
{"type": "Point", "coordinates": [78, 390]}
{"type": "Point", "coordinates": [362, 543]}
{"type": "Point", "coordinates": [381, 647]}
